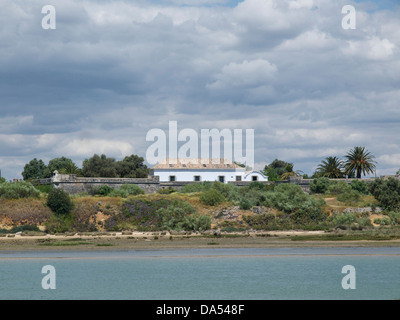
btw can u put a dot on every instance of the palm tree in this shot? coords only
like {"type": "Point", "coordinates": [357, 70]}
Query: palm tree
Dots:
{"type": "Point", "coordinates": [331, 167]}
{"type": "Point", "coordinates": [359, 161]}
{"type": "Point", "coordinates": [289, 172]}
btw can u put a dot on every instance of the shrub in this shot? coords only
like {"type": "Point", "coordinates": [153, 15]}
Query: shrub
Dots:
{"type": "Point", "coordinates": [385, 221]}
{"type": "Point", "coordinates": [395, 217]}
{"type": "Point", "coordinates": [131, 189]}
{"type": "Point", "coordinates": [244, 204]}
{"type": "Point", "coordinates": [17, 190]}
{"type": "Point", "coordinates": [338, 187]}
{"type": "Point", "coordinates": [359, 186]}
{"type": "Point", "coordinates": [168, 190]}
{"type": "Point", "coordinates": [387, 193]}
{"type": "Point", "coordinates": [59, 224]}
{"type": "Point", "coordinates": [59, 202]}
{"type": "Point", "coordinates": [344, 219]}
{"type": "Point", "coordinates": [211, 197]}
{"type": "Point", "coordinates": [320, 185]}
{"type": "Point", "coordinates": [350, 197]}
{"type": "Point", "coordinates": [104, 190]}
{"type": "Point", "coordinates": [196, 187]}
{"type": "Point", "coordinates": [292, 200]}
{"type": "Point", "coordinates": [262, 221]}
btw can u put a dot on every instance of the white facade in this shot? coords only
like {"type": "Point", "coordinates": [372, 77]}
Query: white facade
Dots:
{"type": "Point", "coordinates": [198, 175]}
{"type": "Point", "coordinates": [188, 171]}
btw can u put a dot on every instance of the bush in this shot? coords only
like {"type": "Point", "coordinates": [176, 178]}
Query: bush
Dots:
{"type": "Point", "coordinates": [338, 187]}
{"type": "Point", "coordinates": [292, 200]}
{"type": "Point", "coordinates": [244, 204]}
{"type": "Point", "coordinates": [385, 221]}
{"type": "Point", "coordinates": [320, 185]}
{"type": "Point", "coordinates": [59, 224]}
{"type": "Point", "coordinates": [132, 189]}
{"type": "Point", "coordinates": [212, 197]}
{"type": "Point", "coordinates": [104, 190]}
{"type": "Point", "coordinates": [59, 202]}
{"type": "Point", "coordinates": [262, 221]}
{"type": "Point", "coordinates": [359, 186]}
{"type": "Point", "coordinates": [395, 217]}
{"type": "Point", "coordinates": [387, 192]}
{"type": "Point", "coordinates": [17, 190]}
{"type": "Point", "coordinates": [349, 197]}
{"type": "Point", "coordinates": [344, 219]}
{"type": "Point", "coordinates": [196, 187]}
{"type": "Point", "coordinates": [168, 190]}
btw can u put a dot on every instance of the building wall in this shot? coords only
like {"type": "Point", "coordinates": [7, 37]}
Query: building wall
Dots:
{"type": "Point", "coordinates": [258, 175]}
{"type": "Point", "coordinates": [185, 175]}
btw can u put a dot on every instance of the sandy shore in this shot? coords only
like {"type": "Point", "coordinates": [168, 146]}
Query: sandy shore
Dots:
{"type": "Point", "coordinates": [165, 240]}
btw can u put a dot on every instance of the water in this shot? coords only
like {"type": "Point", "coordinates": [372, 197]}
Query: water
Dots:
{"type": "Point", "coordinates": [210, 274]}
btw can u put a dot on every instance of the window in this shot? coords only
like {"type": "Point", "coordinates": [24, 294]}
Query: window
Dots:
{"type": "Point", "coordinates": [184, 165]}
{"type": "Point", "coordinates": [171, 178]}
{"type": "Point", "coordinates": [238, 178]}
{"type": "Point", "coordinates": [254, 178]}
{"type": "Point", "coordinates": [221, 179]}
{"type": "Point", "coordinates": [196, 178]}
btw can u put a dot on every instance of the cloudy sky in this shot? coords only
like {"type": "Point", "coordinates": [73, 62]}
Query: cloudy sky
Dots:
{"type": "Point", "coordinates": [113, 70]}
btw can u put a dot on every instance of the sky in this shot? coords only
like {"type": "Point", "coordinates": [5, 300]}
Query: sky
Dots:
{"type": "Point", "coordinates": [113, 70]}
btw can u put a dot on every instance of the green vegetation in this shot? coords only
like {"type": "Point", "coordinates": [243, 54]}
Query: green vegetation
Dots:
{"type": "Point", "coordinates": [18, 190]}
{"type": "Point", "coordinates": [387, 192]}
{"type": "Point", "coordinates": [331, 167]}
{"type": "Point", "coordinates": [101, 166]}
{"type": "Point", "coordinates": [59, 202]}
{"type": "Point", "coordinates": [359, 161]}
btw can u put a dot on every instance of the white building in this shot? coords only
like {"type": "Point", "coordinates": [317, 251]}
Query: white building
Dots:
{"type": "Point", "coordinates": [186, 170]}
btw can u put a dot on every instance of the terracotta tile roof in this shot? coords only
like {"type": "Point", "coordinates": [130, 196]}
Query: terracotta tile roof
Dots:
{"type": "Point", "coordinates": [187, 163]}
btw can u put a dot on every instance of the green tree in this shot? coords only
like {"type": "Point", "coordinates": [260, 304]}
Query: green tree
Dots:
{"type": "Point", "coordinates": [62, 165]}
{"type": "Point", "coordinates": [387, 192]}
{"type": "Point", "coordinates": [331, 167]}
{"type": "Point", "coordinates": [359, 161]}
{"type": "Point", "coordinates": [59, 202]}
{"type": "Point", "coordinates": [99, 166]}
{"type": "Point", "coordinates": [275, 169]}
{"type": "Point", "coordinates": [35, 169]}
{"type": "Point", "coordinates": [132, 167]}
{"type": "Point", "coordinates": [290, 172]}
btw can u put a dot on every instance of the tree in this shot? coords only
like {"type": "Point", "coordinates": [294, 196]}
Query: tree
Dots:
{"type": "Point", "coordinates": [99, 166]}
{"type": "Point", "coordinates": [387, 192]}
{"type": "Point", "coordinates": [62, 165]}
{"type": "Point", "coordinates": [290, 172]}
{"type": "Point", "coordinates": [35, 169]}
{"type": "Point", "coordinates": [275, 169]}
{"type": "Point", "coordinates": [132, 167]}
{"type": "Point", "coordinates": [331, 167]}
{"type": "Point", "coordinates": [59, 202]}
{"type": "Point", "coordinates": [359, 161]}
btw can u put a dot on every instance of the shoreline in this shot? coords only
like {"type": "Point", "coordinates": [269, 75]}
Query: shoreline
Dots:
{"type": "Point", "coordinates": [164, 240]}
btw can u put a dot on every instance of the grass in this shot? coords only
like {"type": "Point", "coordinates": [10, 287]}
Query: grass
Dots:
{"type": "Point", "coordinates": [347, 237]}
{"type": "Point", "coordinates": [64, 243]}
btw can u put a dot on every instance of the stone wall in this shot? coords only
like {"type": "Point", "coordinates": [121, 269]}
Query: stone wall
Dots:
{"type": "Point", "coordinates": [73, 184]}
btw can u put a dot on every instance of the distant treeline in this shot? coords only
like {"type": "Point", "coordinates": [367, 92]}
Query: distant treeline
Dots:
{"type": "Point", "coordinates": [97, 166]}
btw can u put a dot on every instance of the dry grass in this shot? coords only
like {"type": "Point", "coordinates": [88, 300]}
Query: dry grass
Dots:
{"type": "Point", "coordinates": [23, 211]}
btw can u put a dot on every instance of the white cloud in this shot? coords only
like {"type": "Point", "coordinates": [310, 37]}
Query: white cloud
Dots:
{"type": "Point", "coordinates": [246, 74]}
{"type": "Point", "coordinates": [373, 48]}
{"type": "Point", "coordinates": [88, 147]}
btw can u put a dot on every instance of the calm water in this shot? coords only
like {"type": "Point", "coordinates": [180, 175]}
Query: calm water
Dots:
{"type": "Point", "coordinates": [211, 274]}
